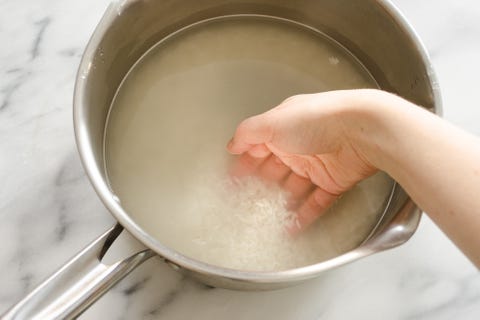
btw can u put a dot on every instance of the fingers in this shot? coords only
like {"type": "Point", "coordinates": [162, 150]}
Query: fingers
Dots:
{"type": "Point", "coordinates": [246, 165]}
{"type": "Point", "coordinates": [254, 162]}
{"type": "Point", "coordinates": [273, 170]}
{"type": "Point", "coordinates": [259, 151]}
{"type": "Point", "coordinates": [297, 188]}
{"type": "Point", "coordinates": [314, 206]}
{"type": "Point", "coordinates": [307, 204]}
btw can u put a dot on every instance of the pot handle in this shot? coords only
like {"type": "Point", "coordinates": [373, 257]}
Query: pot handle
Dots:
{"type": "Point", "coordinates": [79, 283]}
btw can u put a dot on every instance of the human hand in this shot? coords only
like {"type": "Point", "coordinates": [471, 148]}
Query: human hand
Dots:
{"type": "Point", "coordinates": [320, 145]}
{"type": "Point", "coordinates": [309, 145]}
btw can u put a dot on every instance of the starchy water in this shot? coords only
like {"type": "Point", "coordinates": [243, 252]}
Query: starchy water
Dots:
{"type": "Point", "coordinates": [173, 116]}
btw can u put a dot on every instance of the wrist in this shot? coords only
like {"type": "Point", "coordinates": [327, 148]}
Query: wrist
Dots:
{"type": "Point", "coordinates": [373, 123]}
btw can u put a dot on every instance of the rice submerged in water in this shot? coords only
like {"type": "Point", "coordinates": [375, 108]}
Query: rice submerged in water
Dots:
{"type": "Point", "coordinates": [242, 224]}
{"type": "Point", "coordinates": [239, 218]}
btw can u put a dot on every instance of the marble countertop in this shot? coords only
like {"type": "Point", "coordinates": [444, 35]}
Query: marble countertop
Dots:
{"type": "Point", "coordinates": [48, 210]}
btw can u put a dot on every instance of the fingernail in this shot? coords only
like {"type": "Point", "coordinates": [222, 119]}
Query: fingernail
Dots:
{"type": "Point", "coordinates": [293, 227]}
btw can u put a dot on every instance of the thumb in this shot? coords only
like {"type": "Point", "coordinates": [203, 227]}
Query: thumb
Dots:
{"type": "Point", "coordinates": [250, 132]}
{"type": "Point", "coordinates": [302, 124]}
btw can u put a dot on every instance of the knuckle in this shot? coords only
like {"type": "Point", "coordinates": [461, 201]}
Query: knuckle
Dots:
{"type": "Point", "coordinates": [294, 98]}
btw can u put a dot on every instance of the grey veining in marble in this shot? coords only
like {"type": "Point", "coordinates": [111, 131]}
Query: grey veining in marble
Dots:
{"type": "Point", "coordinates": [48, 211]}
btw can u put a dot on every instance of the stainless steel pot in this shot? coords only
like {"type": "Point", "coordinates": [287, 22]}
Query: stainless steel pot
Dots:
{"type": "Point", "coordinates": [373, 30]}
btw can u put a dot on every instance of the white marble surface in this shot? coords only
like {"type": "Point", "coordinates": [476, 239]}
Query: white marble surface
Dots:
{"type": "Point", "coordinates": [48, 210]}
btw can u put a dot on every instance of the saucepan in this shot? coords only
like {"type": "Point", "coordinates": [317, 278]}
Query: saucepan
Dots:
{"type": "Point", "coordinates": [372, 30]}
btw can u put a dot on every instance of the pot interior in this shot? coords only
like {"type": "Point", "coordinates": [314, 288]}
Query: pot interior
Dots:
{"type": "Point", "coordinates": [173, 115]}
{"type": "Point", "coordinates": [380, 41]}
